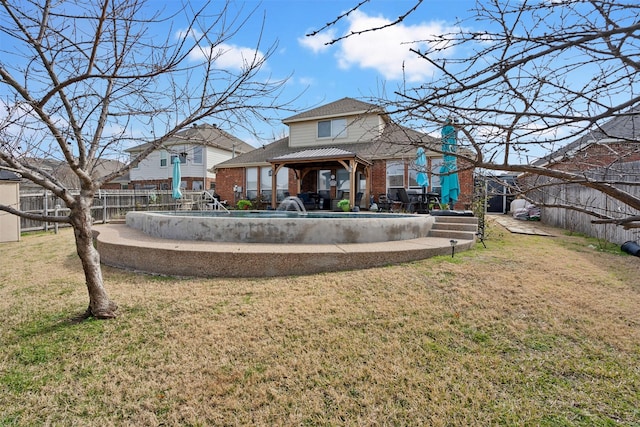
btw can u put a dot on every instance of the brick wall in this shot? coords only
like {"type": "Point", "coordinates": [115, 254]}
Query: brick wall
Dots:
{"type": "Point", "coordinates": [227, 178]}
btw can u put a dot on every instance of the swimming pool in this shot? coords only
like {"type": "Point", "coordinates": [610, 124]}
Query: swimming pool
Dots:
{"type": "Point", "coordinates": [281, 227]}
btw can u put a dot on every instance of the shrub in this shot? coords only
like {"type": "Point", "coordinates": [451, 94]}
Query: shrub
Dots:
{"type": "Point", "coordinates": [244, 204]}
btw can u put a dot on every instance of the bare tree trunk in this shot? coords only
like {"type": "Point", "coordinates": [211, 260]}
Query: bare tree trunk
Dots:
{"type": "Point", "coordinates": [100, 305]}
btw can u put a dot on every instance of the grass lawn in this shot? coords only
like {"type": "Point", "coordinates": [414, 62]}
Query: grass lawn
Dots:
{"type": "Point", "coordinates": [531, 330]}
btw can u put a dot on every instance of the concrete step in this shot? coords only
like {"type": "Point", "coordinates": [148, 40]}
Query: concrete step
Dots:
{"type": "Point", "coordinates": [457, 219]}
{"type": "Point", "coordinates": [450, 234]}
{"type": "Point", "coordinates": [455, 226]}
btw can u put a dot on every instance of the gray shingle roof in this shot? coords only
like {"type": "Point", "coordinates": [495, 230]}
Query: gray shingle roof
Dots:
{"type": "Point", "coordinates": [207, 135]}
{"type": "Point", "coordinates": [396, 142]}
{"type": "Point", "coordinates": [341, 107]}
{"type": "Point", "coordinates": [622, 128]}
{"type": "Point", "coordinates": [315, 153]}
{"type": "Point", "coordinates": [8, 176]}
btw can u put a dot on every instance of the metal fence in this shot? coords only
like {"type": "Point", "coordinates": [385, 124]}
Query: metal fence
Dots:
{"type": "Point", "coordinates": [107, 205]}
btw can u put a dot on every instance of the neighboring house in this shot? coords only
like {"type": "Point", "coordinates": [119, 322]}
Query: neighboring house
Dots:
{"type": "Point", "coordinates": [199, 148]}
{"type": "Point", "coordinates": [62, 172]}
{"type": "Point", "coordinates": [339, 150]}
{"type": "Point", "coordinates": [616, 141]}
{"type": "Point", "coordinates": [609, 153]}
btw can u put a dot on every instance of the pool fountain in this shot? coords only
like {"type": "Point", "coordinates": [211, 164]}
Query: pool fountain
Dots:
{"type": "Point", "coordinates": [285, 241]}
{"type": "Point", "coordinates": [292, 202]}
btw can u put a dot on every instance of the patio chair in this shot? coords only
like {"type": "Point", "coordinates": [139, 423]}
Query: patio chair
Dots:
{"type": "Point", "coordinates": [384, 204]}
{"type": "Point", "coordinates": [407, 203]}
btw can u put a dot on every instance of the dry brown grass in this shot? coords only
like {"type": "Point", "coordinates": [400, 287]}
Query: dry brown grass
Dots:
{"type": "Point", "coordinates": [530, 331]}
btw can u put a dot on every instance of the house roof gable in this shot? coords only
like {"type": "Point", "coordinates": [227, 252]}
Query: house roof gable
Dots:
{"type": "Point", "coordinates": [396, 142]}
{"type": "Point", "coordinates": [341, 107]}
{"type": "Point", "coordinates": [206, 135]}
{"type": "Point", "coordinates": [620, 128]}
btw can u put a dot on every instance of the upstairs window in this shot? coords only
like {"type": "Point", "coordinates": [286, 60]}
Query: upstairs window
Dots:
{"type": "Point", "coordinates": [336, 128]}
{"type": "Point", "coordinates": [181, 156]}
{"type": "Point", "coordinates": [163, 158]}
{"type": "Point", "coordinates": [197, 155]}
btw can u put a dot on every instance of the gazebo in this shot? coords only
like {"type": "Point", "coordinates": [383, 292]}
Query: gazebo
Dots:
{"type": "Point", "coordinates": [305, 161]}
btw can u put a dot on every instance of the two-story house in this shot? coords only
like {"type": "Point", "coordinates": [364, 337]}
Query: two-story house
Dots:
{"type": "Point", "coordinates": [199, 148]}
{"type": "Point", "coordinates": [341, 150]}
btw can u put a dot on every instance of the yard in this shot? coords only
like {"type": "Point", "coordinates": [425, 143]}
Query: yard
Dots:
{"type": "Point", "coordinates": [532, 330]}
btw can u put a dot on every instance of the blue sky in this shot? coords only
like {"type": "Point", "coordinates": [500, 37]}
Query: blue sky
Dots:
{"type": "Point", "coordinates": [369, 65]}
{"type": "Point", "coordinates": [360, 66]}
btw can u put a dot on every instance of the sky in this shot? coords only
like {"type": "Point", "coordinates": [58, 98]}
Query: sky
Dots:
{"type": "Point", "coordinates": [365, 66]}
{"type": "Point", "coordinates": [362, 66]}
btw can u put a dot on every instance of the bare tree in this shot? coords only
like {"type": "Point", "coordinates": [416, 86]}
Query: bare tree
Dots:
{"type": "Point", "coordinates": [82, 80]}
{"type": "Point", "coordinates": [537, 76]}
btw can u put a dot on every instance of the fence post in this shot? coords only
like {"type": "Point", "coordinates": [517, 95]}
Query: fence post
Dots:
{"type": "Point", "coordinates": [45, 209]}
{"type": "Point", "coordinates": [104, 207]}
{"type": "Point", "coordinates": [55, 213]}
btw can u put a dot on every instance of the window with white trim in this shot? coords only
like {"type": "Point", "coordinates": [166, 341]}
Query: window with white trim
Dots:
{"type": "Point", "coordinates": [434, 179]}
{"type": "Point", "coordinates": [252, 183]}
{"type": "Point", "coordinates": [395, 175]}
{"type": "Point", "coordinates": [181, 156]}
{"type": "Point", "coordinates": [282, 183]}
{"type": "Point", "coordinates": [197, 155]}
{"type": "Point", "coordinates": [343, 178]}
{"type": "Point", "coordinates": [324, 179]}
{"type": "Point", "coordinates": [163, 158]}
{"type": "Point", "coordinates": [336, 128]}
{"type": "Point", "coordinates": [265, 183]}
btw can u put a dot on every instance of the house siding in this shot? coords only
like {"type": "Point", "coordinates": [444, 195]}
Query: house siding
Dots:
{"type": "Point", "coordinates": [359, 129]}
{"type": "Point", "coordinates": [150, 173]}
{"type": "Point", "coordinates": [9, 224]}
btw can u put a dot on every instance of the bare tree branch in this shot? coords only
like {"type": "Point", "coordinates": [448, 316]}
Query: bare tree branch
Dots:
{"type": "Point", "coordinates": [398, 20]}
{"type": "Point", "coordinates": [85, 80]}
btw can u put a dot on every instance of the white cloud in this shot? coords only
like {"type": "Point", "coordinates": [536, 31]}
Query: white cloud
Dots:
{"type": "Point", "coordinates": [227, 56]}
{"type": "Point", "coordinates": [318, 43]}
{"type": "Point", "coordinates": [188, 33]}
{"type": "Point", "coordinates": [307, 81]}
{"type": "Point", "coordinates": [386, 50]}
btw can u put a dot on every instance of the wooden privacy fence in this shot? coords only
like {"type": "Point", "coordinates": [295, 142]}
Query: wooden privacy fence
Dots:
{"type": "Point", "coordinates": [107, 205]}
{"type": "Point", "coordinates": [581, 196]}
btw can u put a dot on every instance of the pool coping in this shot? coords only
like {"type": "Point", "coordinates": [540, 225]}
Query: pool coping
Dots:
{"type": "Point", "coordinates": [127, 248]}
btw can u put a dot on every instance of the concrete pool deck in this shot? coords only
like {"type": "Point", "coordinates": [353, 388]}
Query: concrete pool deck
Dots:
{"type": "Point", "coordinates": [127, 248]}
